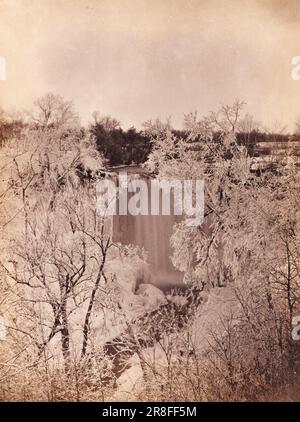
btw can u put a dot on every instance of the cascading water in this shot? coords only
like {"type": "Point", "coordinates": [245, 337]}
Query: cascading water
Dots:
{"type": "Point", "coordinates": [152, 232]}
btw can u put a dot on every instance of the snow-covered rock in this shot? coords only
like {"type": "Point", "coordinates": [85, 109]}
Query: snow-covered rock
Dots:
{"type": "Point", "coordinates": [153, 296]}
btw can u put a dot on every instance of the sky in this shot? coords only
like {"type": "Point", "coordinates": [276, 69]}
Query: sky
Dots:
{"type": "Point", "coordinates": [142, 59]}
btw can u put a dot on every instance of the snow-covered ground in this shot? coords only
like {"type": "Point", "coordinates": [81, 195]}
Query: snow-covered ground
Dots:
{"type": "Point", "coordinates": [218, 304]}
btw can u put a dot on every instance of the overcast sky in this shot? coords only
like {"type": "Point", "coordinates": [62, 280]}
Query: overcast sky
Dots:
{"type": "Point", "coordinates": [140, 59]}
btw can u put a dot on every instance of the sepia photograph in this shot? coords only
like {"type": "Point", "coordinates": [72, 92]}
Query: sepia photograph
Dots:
{"type": "Point", "coordinates": [149, 203]}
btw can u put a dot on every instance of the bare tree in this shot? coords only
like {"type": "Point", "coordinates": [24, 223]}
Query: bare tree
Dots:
{"type": "Point", "coordinates": [52, 111]}
{"type": "Point", "coordinates": [107, 122]}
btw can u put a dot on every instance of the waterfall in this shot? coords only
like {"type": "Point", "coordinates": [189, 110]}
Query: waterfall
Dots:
{"type": "Point", "coordinates": [152, 232]}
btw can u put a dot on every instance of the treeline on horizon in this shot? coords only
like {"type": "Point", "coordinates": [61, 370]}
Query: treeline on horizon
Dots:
{"type": "Point", "coordinates": [133, 146]}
